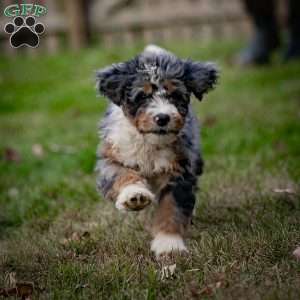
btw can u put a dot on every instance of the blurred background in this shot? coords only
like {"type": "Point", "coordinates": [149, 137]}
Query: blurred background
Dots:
{"type": "Point", "coordinates": [80, 23]}
{"type": "Point", "coordinates": [58, 235]}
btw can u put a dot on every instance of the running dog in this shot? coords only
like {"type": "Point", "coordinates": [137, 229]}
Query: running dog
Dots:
{"type": "Point", "coordinates": [150, 150]}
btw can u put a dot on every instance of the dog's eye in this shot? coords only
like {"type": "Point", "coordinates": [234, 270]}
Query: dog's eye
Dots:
{"type": "Point", "coordinates": [176, 96]}
{"type": "Point", "coordinates": [180, 101]}
{"type": "Point", "coordinates": [141, 96]}
{"type": "Point", "coordinates": [170, 86]}
{"type": "Point", "coordinates": [149, 88]}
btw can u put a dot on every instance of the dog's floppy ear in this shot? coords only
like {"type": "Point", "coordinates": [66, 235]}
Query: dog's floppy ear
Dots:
{"type": "Point", "coordinates": [200, 77]}
{"type": "Point", "coordinates": [112, 81]}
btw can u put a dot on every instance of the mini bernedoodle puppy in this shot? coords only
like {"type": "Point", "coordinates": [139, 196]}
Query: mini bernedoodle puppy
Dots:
{"type": "Point", "coordinates": [150, 151]}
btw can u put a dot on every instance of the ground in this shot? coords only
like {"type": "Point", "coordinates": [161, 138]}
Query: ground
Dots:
{"type": "Point", "coordinates": [56, 232]}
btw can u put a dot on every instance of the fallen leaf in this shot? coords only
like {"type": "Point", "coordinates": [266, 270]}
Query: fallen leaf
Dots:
{"type": "Point", "coordinates": [76, 113]}
{"type": "Point", "coordinates": [13, 192]}
{"type": "Point", "coordinates": [193, 289]}
{"type": "Point", "coordinates": [280, 146]}
{"type": "Point", "coordinates": [8, 292]}
{"type": "Point", "coordinates": [75, 237]}
{"type": "Point", "coordinates": [296, 253]}
{"type": "Point", "coordinates": [25, 289]}
{"type": "Point", "coordinates": [208, 291]}
{"type": "Point", "coordinates": [211, 288]}
{"type": "Point", "coordinates": [65, 149]}
{"type": "Point", "coordinates": [284, 191]}
{"type": "Point", "coordinates": [38, 150]}
{"type": "Point", "coordinates": [11, 154]}
{"type": "Point", "coordinates": [209, 121]}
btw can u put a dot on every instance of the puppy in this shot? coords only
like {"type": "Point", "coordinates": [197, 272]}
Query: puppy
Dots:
{"type": "Point", "coordinates": [150, 139]}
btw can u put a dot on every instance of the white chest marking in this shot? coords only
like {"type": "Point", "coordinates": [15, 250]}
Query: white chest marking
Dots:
{"type": "Point", "coordinates": [150, 152]}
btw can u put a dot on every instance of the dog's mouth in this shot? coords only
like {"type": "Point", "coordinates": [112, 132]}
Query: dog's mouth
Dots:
{"type": "Point", "coordinates": [160, 131]}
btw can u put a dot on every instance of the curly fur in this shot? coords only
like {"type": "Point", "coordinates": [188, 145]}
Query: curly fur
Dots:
{"type": "Point", "coordinates": [150, 138]}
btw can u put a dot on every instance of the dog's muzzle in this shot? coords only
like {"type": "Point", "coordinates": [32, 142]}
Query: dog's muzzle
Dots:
{"type": "Point", "coordinates": [162, 119]}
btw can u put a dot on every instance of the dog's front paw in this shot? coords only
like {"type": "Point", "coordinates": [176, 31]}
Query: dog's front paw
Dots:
{"type": "Point", "coordinates": [134, 197]}
{"type": "Point", "coordinates": [164, 243]}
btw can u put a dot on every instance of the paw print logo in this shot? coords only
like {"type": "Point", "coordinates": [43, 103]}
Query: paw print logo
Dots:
{"type": "Point", "coordinates": [24, 32]}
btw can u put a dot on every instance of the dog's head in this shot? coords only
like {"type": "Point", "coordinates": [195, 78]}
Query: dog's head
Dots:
{"type": "Point", "coordinates": [154, 88]}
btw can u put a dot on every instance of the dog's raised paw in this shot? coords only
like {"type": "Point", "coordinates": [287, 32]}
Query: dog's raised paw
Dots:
{"type": "Point", "coordinates": [137, 202]}
{"type": "Point", "coordinates": [134, 197]}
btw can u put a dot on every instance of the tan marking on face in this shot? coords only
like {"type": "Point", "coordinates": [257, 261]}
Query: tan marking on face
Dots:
{"type": "Point", "coordinates": [147, 88]}
{"type": "Point", "coordinates": [169, 86]}
{"type": "Point", "coordinates": [144, 122]}
{"type": "Point", "coordinates": [178, 122]}
{"type": "Point", "coordinates": [168, 219]}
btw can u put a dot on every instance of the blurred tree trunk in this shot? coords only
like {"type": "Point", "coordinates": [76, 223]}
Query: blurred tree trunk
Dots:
{"type": "Point", "coordinates": [76, 11]}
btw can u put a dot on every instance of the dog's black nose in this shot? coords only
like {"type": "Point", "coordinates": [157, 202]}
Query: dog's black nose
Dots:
{"type": "Point", "coordinates": [162, 119]}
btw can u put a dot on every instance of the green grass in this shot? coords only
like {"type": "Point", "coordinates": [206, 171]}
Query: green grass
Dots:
{"type": "Point", "coordinates": [57, 232]}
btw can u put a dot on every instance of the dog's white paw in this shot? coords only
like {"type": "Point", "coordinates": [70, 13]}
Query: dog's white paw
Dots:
{"type": "Point", "coordinates": [134, 197]}
{"type": "Point", "coordinates": [164, 243]}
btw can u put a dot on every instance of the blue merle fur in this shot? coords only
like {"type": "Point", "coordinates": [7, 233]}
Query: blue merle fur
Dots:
{"type": "Point", "coordinates": [120, 83]}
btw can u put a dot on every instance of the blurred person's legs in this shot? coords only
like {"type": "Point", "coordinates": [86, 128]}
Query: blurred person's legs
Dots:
{"type": "Point", "coordinates": [266, 36]}
{"type": "Point", "coordinates": [293, 49]}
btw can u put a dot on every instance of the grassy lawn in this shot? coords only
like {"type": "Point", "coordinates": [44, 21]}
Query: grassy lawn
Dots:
{"type": "Point", "coordinates": [56, 232]}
